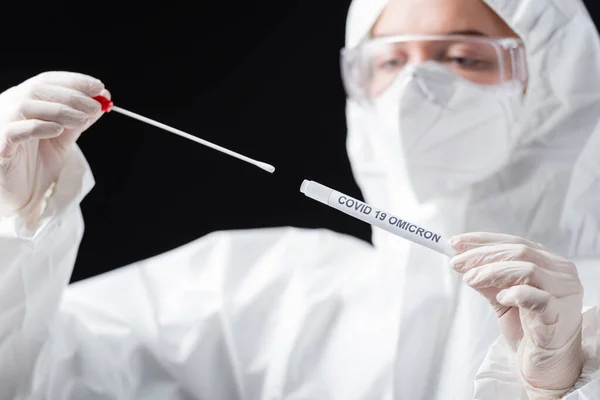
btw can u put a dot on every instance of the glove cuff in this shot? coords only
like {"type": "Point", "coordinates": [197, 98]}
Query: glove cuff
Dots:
{"type": "Point", "coordinates": [556, 370]}
{"type": "Point", "coordinates": [72, 185]}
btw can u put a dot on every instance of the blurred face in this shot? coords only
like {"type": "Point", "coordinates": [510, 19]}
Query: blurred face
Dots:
{"type": "Point", "coordinates": [475, 60]}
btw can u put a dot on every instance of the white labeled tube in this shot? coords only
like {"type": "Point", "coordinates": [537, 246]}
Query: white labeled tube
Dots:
{"type": "Point", "coordinates": [379, 218]}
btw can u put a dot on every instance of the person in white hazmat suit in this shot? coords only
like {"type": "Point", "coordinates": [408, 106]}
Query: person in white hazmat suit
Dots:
{"type": "Point", "coordinates": [465, 116]}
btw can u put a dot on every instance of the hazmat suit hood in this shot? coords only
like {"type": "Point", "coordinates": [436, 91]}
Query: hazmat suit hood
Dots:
{"type": "Point", "coordinates": [545, 190]}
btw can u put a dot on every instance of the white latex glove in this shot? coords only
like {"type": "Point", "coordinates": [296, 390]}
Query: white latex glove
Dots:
{"type": "Point", "coordinates": [538, 299]}
{"type": "Point", "coordinates": [40, 120]}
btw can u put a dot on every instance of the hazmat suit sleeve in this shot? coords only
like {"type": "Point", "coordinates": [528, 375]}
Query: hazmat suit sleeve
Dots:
{"type": "Point", "coordinates": [36, 262]}
{"type": "Point", "coordinates": [248, 314]}
{"type": "Point", "coordinates": [498, 376]}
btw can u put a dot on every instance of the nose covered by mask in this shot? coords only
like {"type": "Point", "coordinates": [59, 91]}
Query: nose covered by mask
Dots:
{"type": "Point", "coordinates": [451, 132]}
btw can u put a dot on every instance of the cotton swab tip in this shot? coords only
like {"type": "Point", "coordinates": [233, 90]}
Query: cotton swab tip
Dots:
{"type": "Point", "coordinates": [265, 166]}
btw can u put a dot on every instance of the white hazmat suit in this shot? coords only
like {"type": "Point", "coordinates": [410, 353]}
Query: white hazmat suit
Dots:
{"type": "Point", "coordinates": [310, 314]}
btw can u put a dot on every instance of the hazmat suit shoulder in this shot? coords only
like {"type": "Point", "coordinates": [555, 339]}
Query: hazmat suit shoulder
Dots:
{"type": "Point", "coordinates": [201, 321]}
{"type": "Point", "coordinates": [212, 319]}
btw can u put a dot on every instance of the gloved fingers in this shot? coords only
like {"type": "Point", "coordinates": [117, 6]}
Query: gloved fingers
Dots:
{"type": "Point", "coordinates": [540, 304]}
{"type": "Point", "coordinates": [70, 136]}
{"type": "Point", "coordinates": [469, 241]}
{"type": "Point", "coordinates": [490, 294]}
{"type": "Point", "coordinates": [72, 80]}
{"type": "Point", "coordinates": [95, 117]}
{"type": "Point", "coordinates": [21, 131]}
{"type": "Point", "coordinates": [106, 93]}
{"type": "Point", "coordinates": [506, 274]}
{"type": "Point", "coordinates": [69, 97]}
{"type": "Point", "coordinates": [510, 252]}
{"type": "Point", "coordinates": [53, 112]}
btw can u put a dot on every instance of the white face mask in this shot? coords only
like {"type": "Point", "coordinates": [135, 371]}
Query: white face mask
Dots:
{"type": "Point", "coordinates": [450, 133]}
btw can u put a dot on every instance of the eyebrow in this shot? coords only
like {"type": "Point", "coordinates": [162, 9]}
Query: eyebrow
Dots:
{"type": "Point", "coordinates": [469, 32]}
{"type": "Point", "coordinates": [465, 32]}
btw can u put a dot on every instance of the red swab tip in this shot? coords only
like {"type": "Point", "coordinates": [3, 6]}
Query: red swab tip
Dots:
{"type": "Point", "coordinates": [105, 103]}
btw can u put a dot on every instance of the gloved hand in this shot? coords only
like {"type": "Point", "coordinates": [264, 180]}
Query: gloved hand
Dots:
{"type": "Point", "coordinates": [538, 299]}
{"type": "Point", "coordinates": [40, 120]}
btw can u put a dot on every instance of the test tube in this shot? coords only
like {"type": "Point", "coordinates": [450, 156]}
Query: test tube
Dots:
{"type": "Point", "coordinates": [379, 218]}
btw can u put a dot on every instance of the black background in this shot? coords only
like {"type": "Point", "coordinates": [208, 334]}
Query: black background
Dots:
{"type": "Point", "coordinates": [261, 78]}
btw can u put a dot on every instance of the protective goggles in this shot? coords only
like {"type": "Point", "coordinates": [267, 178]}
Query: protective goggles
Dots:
{"type": "Point", "coordinates": [371, 67]}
